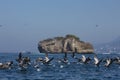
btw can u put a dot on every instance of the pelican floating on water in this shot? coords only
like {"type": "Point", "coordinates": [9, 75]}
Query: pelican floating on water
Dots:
{"type": "Point", "coordinates": [6, 65]}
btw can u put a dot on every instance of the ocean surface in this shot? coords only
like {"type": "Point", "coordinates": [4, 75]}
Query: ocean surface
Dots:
{"type": "Point", "coordinates": [73, 70]}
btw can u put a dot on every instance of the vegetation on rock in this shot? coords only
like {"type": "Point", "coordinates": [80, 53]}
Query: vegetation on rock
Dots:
{"type": "Point", "coordinates": [69, 43]}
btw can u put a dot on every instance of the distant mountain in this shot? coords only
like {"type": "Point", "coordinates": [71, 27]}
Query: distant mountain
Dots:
{"type": "Point", "coordinates": [110, 47]}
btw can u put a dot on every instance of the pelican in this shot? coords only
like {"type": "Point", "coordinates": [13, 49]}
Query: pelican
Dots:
{"type": "Point", "coordinates": [47, 60]}
{"type": "Point", "coordinates": [108, 62]}
{"type": "Point", "coordinates": [97, 61]}
{"type": "Point", "coordinates": [84, 59]}
{"type": "Point", "coordinates": [24, 62]}
{"type": "Point", "coordinates": [117, 60]}
{"type": "Point", "coordinates": [6, 65]}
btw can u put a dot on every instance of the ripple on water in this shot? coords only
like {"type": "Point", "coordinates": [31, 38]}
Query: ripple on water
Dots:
{"type": "Point", "coordinates": [61, 71]}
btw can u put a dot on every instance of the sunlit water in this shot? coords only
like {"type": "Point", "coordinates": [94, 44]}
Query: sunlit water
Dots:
{"type": "Point", "coordinates": [59, 71]}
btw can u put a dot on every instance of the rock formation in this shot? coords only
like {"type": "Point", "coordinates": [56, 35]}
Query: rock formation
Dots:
{"type": "Point", "coordinates": [67, 44]}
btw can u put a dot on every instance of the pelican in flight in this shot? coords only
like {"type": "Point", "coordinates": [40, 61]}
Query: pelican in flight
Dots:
{"type": "Point", "coordinates": [84, 59]}
{"type": "Point", "coordinates": [108, 62]}
{"type": "Point", "coordinates": [97, 61]}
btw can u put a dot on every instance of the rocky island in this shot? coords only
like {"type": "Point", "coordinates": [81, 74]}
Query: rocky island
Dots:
{"type": "Point", "coordinates": [68, 44]}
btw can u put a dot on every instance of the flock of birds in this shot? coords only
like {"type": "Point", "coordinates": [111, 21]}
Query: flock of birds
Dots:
{"type": "Point", "coordinates": [24, 62]}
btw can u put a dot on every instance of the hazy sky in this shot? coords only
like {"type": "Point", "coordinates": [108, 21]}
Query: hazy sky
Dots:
{"type": "Point", "coordinates": [23, 23]}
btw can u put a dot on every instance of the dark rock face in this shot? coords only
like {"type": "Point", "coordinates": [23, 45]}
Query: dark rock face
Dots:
{"type": "Point", "coordinates": [68, 44]}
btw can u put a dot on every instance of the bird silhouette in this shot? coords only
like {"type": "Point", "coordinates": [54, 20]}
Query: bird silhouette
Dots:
{"type": "Point", "coordinates": [1, 25]}
{"type": "Point", "coordinates": [97, 25]}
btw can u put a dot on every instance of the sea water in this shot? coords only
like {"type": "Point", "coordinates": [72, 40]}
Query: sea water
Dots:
{"type": "Point", "coordinates": [56, 70]}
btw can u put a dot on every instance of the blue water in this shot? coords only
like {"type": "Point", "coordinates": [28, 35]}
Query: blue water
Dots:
{"type": "Point", "coordinates": [60, 71]}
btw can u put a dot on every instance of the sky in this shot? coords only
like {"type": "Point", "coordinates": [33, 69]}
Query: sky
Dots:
{"type": "Point", "coordinates": [23, 23]}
